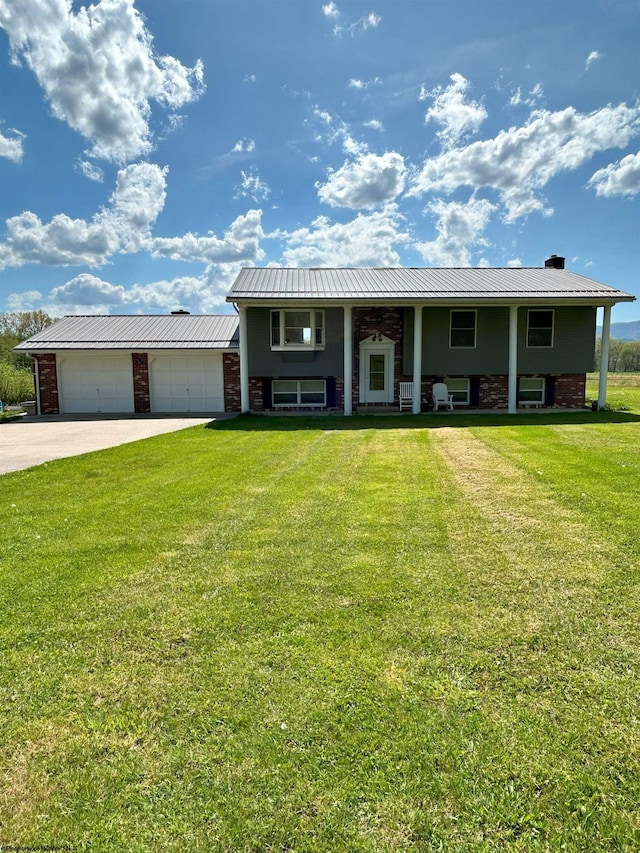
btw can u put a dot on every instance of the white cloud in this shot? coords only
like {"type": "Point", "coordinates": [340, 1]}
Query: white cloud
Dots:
{"type": "Point", "coordinates": [98, 70]}
{"type": "Point", "coordinates": [367, 22]}
{"type": "Point", "coordinates": [324, 116]}
{"type": "Point", "coordinates": [88, 290]}
{"type": "Point", "coordinates": [27, 300]}
{"type": "Point", "coordinates": [520, 161]}
{"type": "Point", "coordinates": [241, 242]}
{"type": "Point", "coordinates": [356, 83]}
{"type": "Point", "coordinates": [252, 186]}
{"type": "Point", "coordinates": [200, 294]}
{"type": "Point", "coordinates": [532, 99]}
{"type": "Point", "coordinates": [123, 226]}
{"type": "Point", "coordinates": [593, 56]}
{"type": "Point", "coordinates": [460, 228]}
{"type": "Point", "coordinates": [514, 263]}
{"type": "Point", "coordinates": [91, 171]}
{"type": "Point", "coordinates": [368, 182]}
{"type": "Point", "coordinates": [250, 78]}
{"type": "Point", "coordinates": [367, 240]}
{"type": "Point", "coordinates": [374, 124]}
{"type": "Point", "coordinates": [621, 178]}
{"type": "Point", "coordinates": [354, 147]}
{"type": "Point", "coordinates": [452, 112]}
{"type": "Point", "coordinates": [11, 147]}
{"type": "Point", "coordinates": [331, 10]}
{"type": "Point", "coordinates": [244, 146]}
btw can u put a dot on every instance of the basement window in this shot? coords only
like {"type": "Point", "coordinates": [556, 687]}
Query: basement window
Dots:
{"type": "Point", "coordinates": [299, 392]}
{"type": "Point", "coordinates": [539, 328]}
{"type": "Point", "coordinates": [462, 331]}
{"type": "Point", "coordinates": [297, 330]}
{"type": "Point", "coordinates": [531, 391]}
{"type": "Point", "coordinates": [459, 389]}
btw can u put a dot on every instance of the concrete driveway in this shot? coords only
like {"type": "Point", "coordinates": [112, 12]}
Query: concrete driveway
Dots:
{"type": "Point", "coordinates": [33, 440]}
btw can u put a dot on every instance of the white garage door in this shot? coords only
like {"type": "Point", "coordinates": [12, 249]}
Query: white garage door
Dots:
{"type": "Point", "coordinates": [96, 384]}
{"type": "Point", "coordinates": [187, 383]}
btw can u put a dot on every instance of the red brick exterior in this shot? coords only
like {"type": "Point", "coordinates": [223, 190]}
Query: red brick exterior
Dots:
{"type": "Point", "coordinates": [256, 403]}
{"type": "Point", "coordinates": [48, 380]}
{"type": "Point", "coordinates": [571, 390]}
{"type": "Point", "coordinates": [141, 396]}
{"type": "Point", "coordinates": [231, 372]}
{"type": "Point", "coordinates": [494, 392]}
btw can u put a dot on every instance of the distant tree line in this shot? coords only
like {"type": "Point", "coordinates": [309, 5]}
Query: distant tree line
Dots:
{"type": "Point", "coordinates": [16, 380]}
{"type": "Point", "coordinates": [624, 356]}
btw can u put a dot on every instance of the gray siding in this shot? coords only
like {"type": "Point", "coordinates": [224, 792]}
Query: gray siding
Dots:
{"type": "Point", "coordinates": [572, 351]}
{"type": "Point", "coordinates": [265, 362]}
{"type": "Point", "coordinates": [573, 343]}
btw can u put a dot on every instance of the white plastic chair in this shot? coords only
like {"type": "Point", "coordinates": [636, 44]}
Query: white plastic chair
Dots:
{"type": "Point", "coordinates": [441, 395]}
{"type": "Point", "coordinates": [405, 395]}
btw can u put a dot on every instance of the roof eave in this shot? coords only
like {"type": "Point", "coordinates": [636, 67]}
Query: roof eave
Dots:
{"type": "Point", "coordinates": [477, 299]}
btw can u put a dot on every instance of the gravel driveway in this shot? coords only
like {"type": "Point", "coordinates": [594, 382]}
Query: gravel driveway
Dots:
{"type": "Point", "coordinates": [33, 440]}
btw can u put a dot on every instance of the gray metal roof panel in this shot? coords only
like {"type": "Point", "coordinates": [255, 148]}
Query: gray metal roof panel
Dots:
{"type": "Point", "coordinates": [131, 332]}
{"type": "Point", "coordinates": [418, 283]}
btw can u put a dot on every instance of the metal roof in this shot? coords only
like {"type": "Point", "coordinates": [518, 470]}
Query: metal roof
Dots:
{"type": "Point", "coordinates": [418, 284]}
{"type": "Point", "coordinates": [137, 332]}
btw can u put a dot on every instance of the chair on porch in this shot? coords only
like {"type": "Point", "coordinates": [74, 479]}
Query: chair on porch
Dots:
{"type": "Point", "coordinates": [405, 395]}
{"type": "Point", "coordinates": [441, 395]}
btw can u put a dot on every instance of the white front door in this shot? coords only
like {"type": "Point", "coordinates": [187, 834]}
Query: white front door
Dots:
{"type": "Point", "coordinates": [376, 370]}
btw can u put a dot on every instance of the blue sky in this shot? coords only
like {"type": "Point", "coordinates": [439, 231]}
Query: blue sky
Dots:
{"type": "Point", "coordinates": [151, 148]}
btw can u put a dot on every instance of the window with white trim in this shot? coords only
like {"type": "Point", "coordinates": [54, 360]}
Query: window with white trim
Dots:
{"type": "Point", "coordinates": [298, 392]}
{"type": "Point", "coordinates": [459, 390]}
{"type": "Point", "coordinates": [531, 390]}
{"type": "Point", "coordinates": [297, 329]}
{"type": "Point", "coordinates": [462, 329]}
{"type": "Point", "coordinates": [539, 328]}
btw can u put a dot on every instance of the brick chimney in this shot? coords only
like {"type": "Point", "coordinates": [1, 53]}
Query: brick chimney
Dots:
{"type": "Point", "coordinates": [555, 262]}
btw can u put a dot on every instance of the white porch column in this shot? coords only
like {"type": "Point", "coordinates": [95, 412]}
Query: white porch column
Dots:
{"type": "Point", "coordinates": [604, 357]}
{"type": "Point", "coordinates": [513, 359]}
{"type": "Point", "coordinates": [244, 360]}
{"type": "Point", "coordinates": [417, 358]}
{"type": "Point", "coordinates": [348, 359]}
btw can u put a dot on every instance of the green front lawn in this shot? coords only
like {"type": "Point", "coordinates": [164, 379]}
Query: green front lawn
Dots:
{"type": "Point", "coordinates": [319, 634]}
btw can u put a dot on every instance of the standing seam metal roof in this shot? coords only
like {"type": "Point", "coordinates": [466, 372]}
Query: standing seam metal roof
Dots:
{"type": "Point", "coordinates": [418, 283]}
{"type": "Point", "coordinates": [127, 332]}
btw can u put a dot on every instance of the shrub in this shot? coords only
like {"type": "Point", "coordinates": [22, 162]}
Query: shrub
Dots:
{"type": "Point", "coordinates": [16, 384]}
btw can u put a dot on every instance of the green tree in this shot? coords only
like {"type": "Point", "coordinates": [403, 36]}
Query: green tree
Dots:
{"type": "Point", "coordinates": [629, 358]}
{"type": "Point", "coordinates": [17, 326]}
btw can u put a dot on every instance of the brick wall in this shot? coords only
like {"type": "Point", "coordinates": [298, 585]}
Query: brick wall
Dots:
{"type": "Point", "coordinates": [231, 371]}
{"type": "Point", "coordinates": [256, 403]}
{"type": "Point", "coordinates": [141, 396]}
{"type": "Point", "coordinates": [48, 379]}
{"type": "Point", "coordinates": [494, 392]}
{"type": "Point", "coordinates": [570, 390]}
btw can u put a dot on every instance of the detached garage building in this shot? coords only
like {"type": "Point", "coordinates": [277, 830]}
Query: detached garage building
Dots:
{"type": "Point", "coordinates": [136, 364]}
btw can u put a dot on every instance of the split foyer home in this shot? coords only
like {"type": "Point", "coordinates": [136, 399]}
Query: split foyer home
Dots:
{"type": "Point", "coordinates": [340, 340]}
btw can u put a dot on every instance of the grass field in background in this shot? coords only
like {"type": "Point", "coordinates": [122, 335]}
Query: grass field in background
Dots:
{"type": "Point", "coordinates": [327, 634]}
{"type": "Point", "coordinates": [623, 390]}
